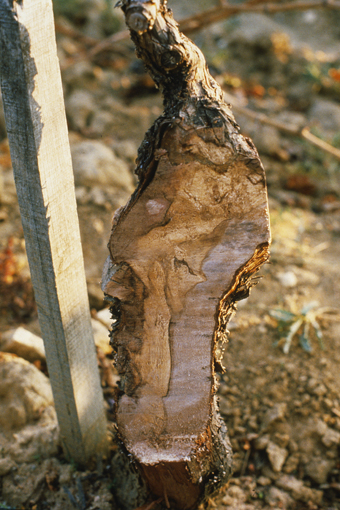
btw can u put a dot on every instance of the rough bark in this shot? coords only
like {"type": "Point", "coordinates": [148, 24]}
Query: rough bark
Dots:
{"type": "Point", "coordinates": [182, 252]}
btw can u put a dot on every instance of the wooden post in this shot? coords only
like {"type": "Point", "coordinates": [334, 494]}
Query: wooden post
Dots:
{"type": "Point", "coordinates": [183, 251]}
{"type": "Point", "coordinates": [37, 132]}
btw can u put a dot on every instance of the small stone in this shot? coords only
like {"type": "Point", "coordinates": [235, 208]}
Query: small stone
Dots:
{"type": "Point", "coordinates": [263, 480]}
{"type": "Point", "coordinates": [104, 316]}
{"type": "Point", "coordinates": [82, 195]}
{"type": "Point", "coordinates": [79, 106]}
{"type": "Point", "coordinates": [291, 463]}
{"type": "Point", "coordinates": [277, 498]}
{"type": "Point", "coordinates": [331, 438]}
{"type": "Point", "coordinates": [23, 343]}
{"type": "Point", "coordinates": [95, 164]}
{"type": "Point", "coordinates": [269, 473]}
{"type": "Point", "coordinates": [6, 465]}
{"type": "Point", "coordinates": [101, 336]}
{"type": "Point", "coordinates": [281, 440]}
{"type": "Point", "coordinates": [261, 442]}
{"type": "Point", "coordinates": [101, 123]}
{"type": "Point", "coordinates": [318, 469]}
{"type": "Point", "coordinates": [325, 114]}
{"type": "Point", "coordinates": [319, 427]}
{"type": "Point", "coordinates": [24, 392]}
{"type": "Point", "coordinates": [274, 414]}
{"type": "Point", "coordinates": [127, 149]}
{"type": "Point", "coordinates": [298, 491]}
{"type": "Point", "coordinates": [288, 279]}
{"type": "Point", "coordinates": [320, 390]}
{"type": "Point", "coordinates": [276, 455]}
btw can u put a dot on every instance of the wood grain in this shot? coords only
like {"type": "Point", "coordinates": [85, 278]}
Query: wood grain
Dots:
{"type": "Point", "coordinates": [37, 132]}
{"type": "Point", "coordinates": [182, 252]}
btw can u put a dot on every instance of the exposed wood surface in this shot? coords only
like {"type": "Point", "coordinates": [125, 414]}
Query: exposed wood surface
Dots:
{"type": "Point", "coordinates": [37, 132]}
{"type": "Point", "coordinates": [182, 252]}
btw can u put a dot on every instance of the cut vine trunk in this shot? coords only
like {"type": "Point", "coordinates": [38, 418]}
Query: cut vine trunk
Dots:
{"type": "Point", "coordinates": [182, 252]}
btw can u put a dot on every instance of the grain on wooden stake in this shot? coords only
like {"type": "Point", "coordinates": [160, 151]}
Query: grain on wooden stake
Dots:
{"type": "Point", "coordinates": [37, 133]}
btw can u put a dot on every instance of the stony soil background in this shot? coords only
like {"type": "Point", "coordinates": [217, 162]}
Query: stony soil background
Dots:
{"type": "Point", "coordinates": [282, 410]}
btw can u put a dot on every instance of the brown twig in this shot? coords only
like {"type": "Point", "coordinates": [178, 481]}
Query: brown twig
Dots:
{"type": "Point", "coordinates": [223, 11]}
{"type": "Point", "coordinates": [149, 506]}
{"type": "Point", "coordinates": [285, 128]}
{"type": "Point", "coordinates": [219, 13]}
{"type": "Point", "coordinates": [63, 27]}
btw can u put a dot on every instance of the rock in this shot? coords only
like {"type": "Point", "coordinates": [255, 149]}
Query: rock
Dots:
{"type": "Point", "coordinates": [23, 343]}
{"type": "Point", "coordinates": [102, 122]}
{"type": "Point", "coordinates": [261, 442]}
{"type": "Point", "coordinates": [276, 455]}
{"type": "Point", "coordinates": [235, 495]}
{"type": "Point", "coordinates": [288, 279]}
{"type": "Point", "coordinates": [320, 390]}
{"type": "Point", "coordinates": [318, 469]}
{"type": "Point", "coordinates": [129, 122]}
{"type": "Point", "coordinates": [277, 498]}
{"type": "Point", "coordinates": [95, 164]}
{"type": "Point", "coordinates": [298, 491]}
{"type": "Point", "coordinates": [331, 438]}
{"type": "Point", "coordinates": [267, 472]}
{"type": "Point", "coordinates": [104, 316]}
{"type": "Point", "coordinates": [6, 465]}
{"type": "Point", "coordinates": [319, 427]}
{"type": "Point", "coordinates": [79, 106]}
{"type": "Point", "coordinates": [291, 463]}
{"type": "Point", "coordinates": [274, 414]}
{"type": "Point", "coordinates": [82, 195]}
{"type": "Point", "coordinates": [101, 336]}
{"type": "Point", "coordinates": [37, 441]}
{"type": "Point", "coordinates": [28, 423]}
{"type": "Point", "coordinates": [78, 74]}
{"type": "Point", "coordinates": [126, 149]}
{"type": "Point", "coordinates": [325, 114]}
{"type": "Point", "coordinates": [96, 296]}
{"type": "Point", "coordinates": [263, 480]}
{"type": "Point", "coordinates": [24, 392]}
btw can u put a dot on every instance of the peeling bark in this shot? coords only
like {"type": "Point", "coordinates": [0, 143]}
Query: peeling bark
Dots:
{"type": "Point", "coordinates": [182, 252]}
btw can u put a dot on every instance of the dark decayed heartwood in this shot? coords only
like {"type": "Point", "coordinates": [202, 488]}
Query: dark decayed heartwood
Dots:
{"type": "Point", "coordinates": [37, 133]}
{"type": "Point", "coordinates": [182, 251]}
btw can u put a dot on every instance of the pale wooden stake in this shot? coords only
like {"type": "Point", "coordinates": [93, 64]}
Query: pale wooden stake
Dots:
{"type": "Point", "coordinates": [37, 133]}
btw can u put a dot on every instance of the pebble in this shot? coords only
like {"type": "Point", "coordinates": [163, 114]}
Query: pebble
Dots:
{"type": "Point", "coordinates": [6, 465]}
{"type": "Point", "coordinates": [326, 114]}
{"type": "Point", "coordinates": [291, 463]}
{"type": "Point", "coordinates": [79, 106]}
{"type": "Point", "coordinates": [320, 390]}
{"type": "Point", "coordinates": [276, 455]}
{"type": "Point", "coordinates": [288, 279]}
{"type": "Point", "coordinates": [277, 498]}
{"type": "Point", "coordinates": [23, 343]}
{"type": "Point", "coordinates": [298, 491]}
{"type": "Point", "coordinates": [274, 414]}
{"type": "Point", "coordinates": [95, 164]}
{"type": "Point", "coordinates": [331, 438]}
{"type": "Point", "coordinates": [261, 442]}
{"type": "Point", "coordinates": [101, 336]}
{"type": "Point", "coordinates": [24, 392]}
{"type": "Point", "coordinates": [104, 316]}
{"type": "Point", "coordinates": [263, 480]}
{"type": "Point", "coordinates": [318, 469]}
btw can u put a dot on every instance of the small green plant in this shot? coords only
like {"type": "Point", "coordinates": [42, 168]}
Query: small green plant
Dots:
{"type": "Point", "coordinates": [303, 323]}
